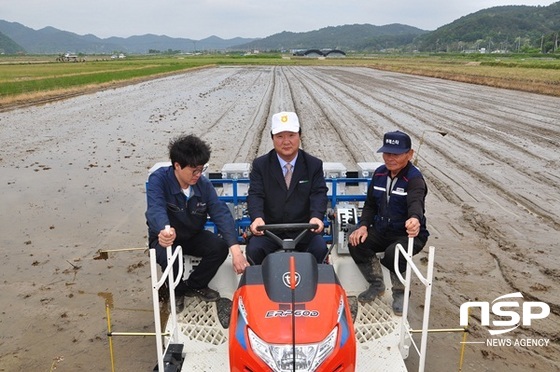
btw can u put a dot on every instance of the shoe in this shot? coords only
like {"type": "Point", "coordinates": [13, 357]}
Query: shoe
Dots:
{"type": "Point", "coordinates": [376, 289]}
{"type": "Point", "coordinates": [398, 302]}
{"type": "Point", "coordinates": [205, 294]}
{"type": "Point", "coordinates": [179, 303]}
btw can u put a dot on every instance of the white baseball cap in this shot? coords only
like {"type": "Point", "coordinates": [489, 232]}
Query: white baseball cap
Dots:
{"type": "Point", "coordinates": [285, 122]}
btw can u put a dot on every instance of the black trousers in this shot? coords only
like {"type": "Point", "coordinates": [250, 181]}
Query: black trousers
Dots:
{"type": "Point", "coordinates": [377, 243]}
{"type": "Point", "coordinates": [212, 250]}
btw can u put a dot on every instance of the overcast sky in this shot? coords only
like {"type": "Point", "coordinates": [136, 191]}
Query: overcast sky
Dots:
{"type": "Point", "coordinates": [231, 18]}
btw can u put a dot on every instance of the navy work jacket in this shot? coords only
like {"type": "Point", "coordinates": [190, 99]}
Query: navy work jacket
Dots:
{"type": "Point", "coordinates": [391, 201]}
{"type": "Point", "coordinates": [168, 205]}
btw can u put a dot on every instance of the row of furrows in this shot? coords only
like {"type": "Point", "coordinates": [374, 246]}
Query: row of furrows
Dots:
{"type": "Point", "coordinates": [282, 99]}
{"type": "Point", "coordinates": [316, 88]}
{"type": "Point", "coordinates": [360, 96]}
{"type": "Point", "coordinates": [417, 97]}
{"type": "Point", "coordinates": [348, 94]}
{"type": "Point", "coordinates": [330, 109]}
{"type": "Point", "coordinates": [253, 138]}
{"type": "Point", "coordinates": [444, 92]}
{"type": "Point", "coordinates": [232, 81]}
{"type": "Point", "coordinates": [365, 134]}
{"type": "Point", "coordinates": [368, 119]}
{"type": "Point", "coordinates": [234, 126]}
{"type": "Point", "coordinates": [289, 102]}
{"type": "Point", "coordinates": [529, 175]}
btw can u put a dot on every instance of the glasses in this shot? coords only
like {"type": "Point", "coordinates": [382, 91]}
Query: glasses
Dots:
{"type": "Point", "coordinates": [199, 170]}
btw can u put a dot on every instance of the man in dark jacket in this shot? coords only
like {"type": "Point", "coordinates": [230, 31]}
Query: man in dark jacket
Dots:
{"type": "Point", "coordinates": [181, 197]}
{"type": "Point", "coordinates": [287, 185]}
{"type": "Point", "coordinates": [393, 212]}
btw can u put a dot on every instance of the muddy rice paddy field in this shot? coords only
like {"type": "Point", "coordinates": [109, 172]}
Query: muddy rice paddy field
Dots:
{"type": "Point", "coordinates": [73, 175]}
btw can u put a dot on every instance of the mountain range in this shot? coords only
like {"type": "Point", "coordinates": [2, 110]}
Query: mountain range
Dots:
{"type": "Point", "coordinates": [50, 40]}
{"type": "Point", "coordinates": [503, 28]}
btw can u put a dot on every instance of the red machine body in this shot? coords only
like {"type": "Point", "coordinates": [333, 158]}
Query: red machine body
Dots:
{"type": "Point", "coordinates": [291, 314]}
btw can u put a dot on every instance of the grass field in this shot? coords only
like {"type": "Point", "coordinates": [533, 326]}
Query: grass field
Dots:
{"type": "Point", "coordinates": [30, 79]}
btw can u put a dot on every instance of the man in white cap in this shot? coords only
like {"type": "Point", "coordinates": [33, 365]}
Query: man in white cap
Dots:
{"type": "Point", "coordinates": [393, 212]}
{"type": "Point", "coordinates": [287, 185]}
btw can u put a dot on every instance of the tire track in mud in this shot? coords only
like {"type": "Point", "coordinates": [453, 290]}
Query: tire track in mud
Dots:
{"type": "Point", "coordinates": [293, 106]}
{"type": "Point", "coordinates": [506, 274]}
{"type": "Point", "coordinates": [283, 99]}
{"type": "Point", "coordinates": [278, 97]}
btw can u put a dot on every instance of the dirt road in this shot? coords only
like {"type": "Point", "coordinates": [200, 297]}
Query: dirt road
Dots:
{"type": "Point", "coordinates": [73, 175]}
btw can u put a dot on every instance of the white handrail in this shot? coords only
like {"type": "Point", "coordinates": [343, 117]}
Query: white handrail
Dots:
{"type": "Point", "coordinates": [167, 275]}
{"type": "Point", "coordinates": [427, 281]}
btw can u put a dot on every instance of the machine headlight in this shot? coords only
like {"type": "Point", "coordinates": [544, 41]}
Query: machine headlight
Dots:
{"type": "Point", "coordinates": [280, 357]}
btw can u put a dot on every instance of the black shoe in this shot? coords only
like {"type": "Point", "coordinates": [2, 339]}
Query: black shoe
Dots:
{"type": "Point", "coordinates": [376, 289]}
{"type": "Point", "coordinates": [205, 294]}
{"type": "Point", "coordinates": [179, 303]}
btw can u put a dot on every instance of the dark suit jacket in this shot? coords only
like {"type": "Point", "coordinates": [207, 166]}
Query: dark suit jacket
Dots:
{"type": "Point", "coordinates": [269, 199]}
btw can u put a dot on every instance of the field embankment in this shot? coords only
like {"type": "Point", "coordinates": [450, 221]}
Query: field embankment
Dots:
{"type": "Point", "coordinates": [26, 81]}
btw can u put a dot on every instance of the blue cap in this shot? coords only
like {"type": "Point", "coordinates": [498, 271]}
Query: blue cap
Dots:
{"type": "Point", "coordinates": [396, 143]}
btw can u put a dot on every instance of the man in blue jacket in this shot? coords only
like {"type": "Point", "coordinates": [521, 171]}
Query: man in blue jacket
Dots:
{"type": "Point", "coordinates": [180, 196]}
{"type": "Point", "coordinates": [287, 185]}
{"type": "Point", "coordinates": [393, 212]}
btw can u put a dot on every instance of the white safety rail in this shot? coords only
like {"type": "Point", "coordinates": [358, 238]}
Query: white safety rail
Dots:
{"type": "Point", "coordinates": [204, 338]}
{"type": "Point", "coordinates": [172, 335]}
{"type": "Point", "coordinates": [427, 282]}
{"type": "Point", "coordinates": [376, 327]}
